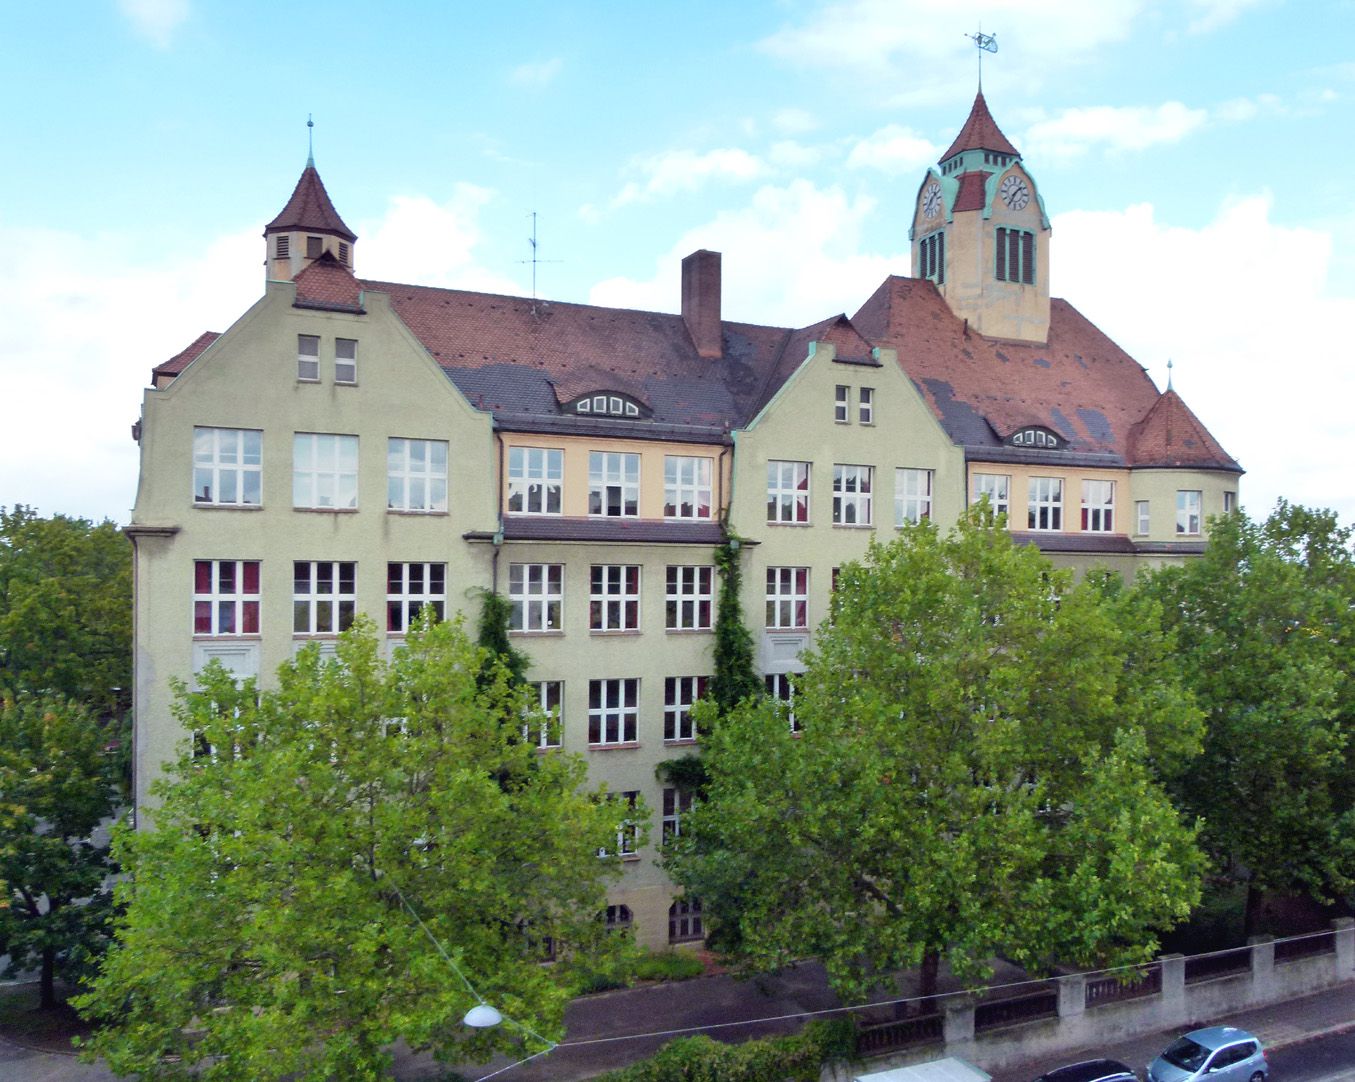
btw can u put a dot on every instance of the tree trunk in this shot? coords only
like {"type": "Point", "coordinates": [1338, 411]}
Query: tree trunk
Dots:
{"type": "Point", "coordinates": [927, 978]}
{"type": "Point", "coordinates": [1252, 914]}
{"type": "Point", "coordinates": [47, 982]}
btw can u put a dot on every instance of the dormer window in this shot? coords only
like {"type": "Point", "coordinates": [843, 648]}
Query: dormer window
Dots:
{"type": "Point", "coordinates": [284, 246]}
{"type": "Point", "coordinates": [606, 405]}
{"type": "Point", "coordinates": [1036, 437]}
{"type": "Point", "coordinates": [314, 247]}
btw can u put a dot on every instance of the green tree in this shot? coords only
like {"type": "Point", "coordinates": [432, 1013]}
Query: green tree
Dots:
{"type": "Point", "coordinates": [976, 775]}
{"type": "Point", "coordinates": [65, 608]}
{"type": "Point", "coordinates": [57, 784]}
{"type": "Point", "coordinates": [268, 931]}
{"type": "Point", "coordinates": [735, 677]}
{"type": "Point", "coordinates": [1266, 624]}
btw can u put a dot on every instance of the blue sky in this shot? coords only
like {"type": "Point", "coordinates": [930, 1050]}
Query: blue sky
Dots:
{"type": "Point", "coordinates": [1194, 156]}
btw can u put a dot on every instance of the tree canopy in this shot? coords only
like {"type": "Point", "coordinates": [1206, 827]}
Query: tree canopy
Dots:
{"type": "Point", "coordinates": [977, 774]}
{"type": "Point", "coordinates": [268, 929]}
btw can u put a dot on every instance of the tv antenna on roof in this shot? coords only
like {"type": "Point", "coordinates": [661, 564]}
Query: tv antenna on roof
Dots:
{"type": "Point", "coordinates": [536, 258]}
{"type": "Point", "coordinates": [986, 43]}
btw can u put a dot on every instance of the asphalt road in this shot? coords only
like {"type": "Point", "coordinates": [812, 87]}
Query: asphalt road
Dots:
{"type": "Point", "coordinates": [1324, 1059]}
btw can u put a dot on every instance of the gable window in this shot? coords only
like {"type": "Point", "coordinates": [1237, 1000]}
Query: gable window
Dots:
{"type": "Point", "coordinates": [345, 360]}
{"type": "Point", "coordinates": [614, 600]}
{"type": "Point", "coordinates": [781, 687]}
{"type": "Point", "coordinates": [227, 466]}
{"type": "Point", "coordinates": [1098, 506]}
{"type": "Point", "coordinates": [613, 484]}
{"type": "Point", "coordinates": [1141, 516]}
{"type": "Point", "coordinates": [787, 597]}
{"type": "Point", "coordinates": [842, 403]}
{"type": "Point", "coordinates": [1188, 505]}
{"type": "Point", "coordinates": [324, 470]}
{"type": "Point", "coordinates": [676, 804]}
{"type": "Point", "coordinates": [686, 487]}
{"type": "Point", "coordinates": [852, 495]}
{"type": "Point", "coordinates": [315, 247]}
{"type": "Point", "coordinates": [997, 487]}
{"type": "Point", "coordinates": [324, 596]}
{"type": "Point", "coordinates": [679, 693]}
{"type": "Point", "coordinates": [308, 357]}
{"type": "Point", "coordinates": [1045, 506]}
{"type": "Point", "coordinates": [912, 495]}
{"type": "Point", "coordinates": [535, 480]}
{"type": "Point", "coordinates": [787, 492]}
{"type": "Point", "coordinates": [932, 257]}
{"type": "Point", "coordinates": [416, 475]}
{"type": "Point", "coordinates": [409, 587]}
{"type": "Point", "coordinates": [535, 594]}
{"type": "Point", "coordinates": [546, 729]}
{"type": "Point", "coordinates": [865, 405]}
{"type": "Point", "coordinates": [225, 597]}
{"type": "Point", "coordinates": [690, 595]}
{"type": "Point", "coordinates": [613, 711]}
{"type": "Point", "coordinates": [1016, 256]}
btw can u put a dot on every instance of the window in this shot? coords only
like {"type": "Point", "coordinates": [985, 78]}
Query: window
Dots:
{"type": "Point", "coordinates": [851, 495]}
{"type": "Point", "coordinates": [781, 687]}
{"type": "Point", "coordinates": [1141, 516]}
{"type": "Point", "coordinates": [684, 920]}
{"type": "Point", "coordinates": [865, 405]}
{"type": "Point", "coordinates": [535, 480]}
{"type": "Point", "coordinates": [416, 475]}
{"type": "Point", "coordinates": [1036, 437]}
{"type": "Point", "coordinates": [787, 597]}
{"type": "Point", "coordinates": [1098, 506]}
{"type": "Point", "coordinates": [688, 602]}
{"type": "Point", "coordinates": [613, 711]}
{"type": "Point", "coordinates": [227, 466]}
{"type": "Point", "coordinates": [932, 258]}
{"type": "Point", "coordinates": [618, 918]}
{"type": "Point", "coordinates": [548, 697]}
{"type": "Point", "coordinates": [284, 247]}
{"type": "Point", "coordinates": [1016, 256]}
{"type": "Point", "coordinates": [842, 403]}
{"type": "Point", "coordinates": [409, 587]}
{"type": "Point", "coordinates": [628, 829]}
{"type": "Point", "coordinates": [225, 597]}
{"type": "Point", "coordinates": [912, 495]}
{"type": "Point", "coordinates": [315, 247]}
{"type": "Point", "coordinates": [308, 357]}
{"type": "Point", "coordinates": [686, 487]}
{"type": "Point", "coordinates": [679, 693]}
{"type": "Point", "coordinates": [343, 252]}
{"type": "Point", "coordinates": [997, 487]}
{"type": "Point", "coordinates": [606, 405]}
{"type": "Point", "coordinates": [676, 804]}
{"type": "Point", "coordinates": [613, 484]}
{"type": "Point", "coordinates": [1229, 502]}
{"type": "Point", "coordinates": [324, 471]}
{"type": "Point", "coordinates": [1188, 504]}
{"type": "Point", "coordinates": [345, 360]}
{"type": "Point", "coordinates": [788, 492]}
{"type": "Point", "coordinates": [1045, 507]}
{"type": "Point", "coordinates": [324, 596]}
{"type": "Point", "coordinates": [614, 598]}
{"type": "Point", "coordinates": [536, 593]}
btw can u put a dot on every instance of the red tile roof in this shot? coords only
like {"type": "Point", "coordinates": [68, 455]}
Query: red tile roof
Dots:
{"type": "Point", "coordinates": [327, 283]}
{"type": "Point", "coordinates": [1170, 435]}
{"type": "Point", "coordinates": [972, 193]}
{"type": "Point", "coordinates": [183, 358]}
{"type": "Point", "coordinates": [310, 209]}
{"type": "Point", "coordinates": [980, 132]}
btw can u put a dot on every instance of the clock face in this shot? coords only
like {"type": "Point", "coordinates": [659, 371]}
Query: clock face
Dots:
{"type": "Point", "coordinates": [1014, 193]}
{"type": "Point", "coordinates": [931, 200]}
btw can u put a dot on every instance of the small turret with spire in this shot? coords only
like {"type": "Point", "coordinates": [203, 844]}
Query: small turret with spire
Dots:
{"type": "Point", "coordinates": [307, 227]}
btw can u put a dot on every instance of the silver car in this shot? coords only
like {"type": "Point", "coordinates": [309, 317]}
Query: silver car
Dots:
{"type": "Point", "coordinates": [1219, 1053]}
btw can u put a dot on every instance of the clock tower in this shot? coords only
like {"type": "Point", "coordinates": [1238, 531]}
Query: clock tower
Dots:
{"type": "Point", "coordinates": [981, 234]}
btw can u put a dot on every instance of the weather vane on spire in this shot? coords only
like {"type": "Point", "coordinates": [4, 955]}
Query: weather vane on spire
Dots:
{"type": "Point", "coordinates": [986, 43]}
{"type": "Point", "coordinates": [310, 140]}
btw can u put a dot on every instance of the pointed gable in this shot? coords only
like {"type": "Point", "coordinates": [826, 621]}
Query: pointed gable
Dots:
{"type": "Point", "coordinates": [980, 132]}
{"type": "Point", "coordinates": [310, 209]}
{"type": "Point", "coordinates": [1170, 436]}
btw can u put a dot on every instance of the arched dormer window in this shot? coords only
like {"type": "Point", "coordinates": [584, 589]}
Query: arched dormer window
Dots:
{"type": "Point", "coordinates": [607, 404]}
{"type": "Point", "coordinates": [1033, 436]}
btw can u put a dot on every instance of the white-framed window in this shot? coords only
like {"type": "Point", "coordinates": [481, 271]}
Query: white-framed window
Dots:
{"type": "Point", "coordinates": [324, 596]}
{"type": "Point", "coordinates": [411, 586]}
{"type": "Point", "coordinates": [1188, 509]}
{"type": "Point", "coordinates": [345, 360]}
{"type": "Point", "coordinates": [613, 711]}
{"type": "Point", "coordinates": [1045, 504]}
{"type": "Point", "coordinates": [628, 828]}
{"type": "Point", "coordinates": [228, 466]}
{"type": "Point", "coordinates": [614, 597]}
{"type": "Point", "coordinates": [613, 484]}
{"type": "Point", "coordinates": [787, 597]}
{"type": "Point", "coordinates": [1098, 506]}
{"type": "Point", "coordinates": [676, 804]}
{"type": "Point", "coordinates": [225, 597]}
{"type": "Point", "coordinates": [852, 487]}
{"type": "Point", "coordinates": [781, 687]}
{"type": "Point", "coordinates": [912, 495]}
{"type": "Point", "coordinates": [1229, 502]}
{"type": "Point", "coordinates": [842, 403]}
{"type": "Point", "coordinates": [416, 474]}
{"type": "Point", "coordinates": [549, 697]}
{"type": "Point", "coordinates": [679, 694]}
{"type": "Point", "coordinates": [684, 920]}
{"type": "Point", "coordinates": [865, 405]}
{"type": "Point", "coordinates": [787, 492]}
{"type": "Point", "coordinates": [1141, 516]}
{"type": "Point", "coordinates": [535, 480]}
{"type": "Point", "coordinates": [686, 486]}
{"type": "Point", "coordinates": [536, 594]}
{"type": "Point", "coordinates": [308, 357]}
{"type": "Point", "coordinates": [998, 488]}
{"type": "Point", "coordinates": [690, 597]}
{"type": "Point", "coordinates": [324, 470]}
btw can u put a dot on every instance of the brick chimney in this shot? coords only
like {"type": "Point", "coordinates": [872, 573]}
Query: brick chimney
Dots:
{"type": "Point", "coordinates": [701, 302]}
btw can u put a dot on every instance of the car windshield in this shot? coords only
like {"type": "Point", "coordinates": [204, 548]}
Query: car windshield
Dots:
{"type": "Point", "coordinates": [1186, 1054]}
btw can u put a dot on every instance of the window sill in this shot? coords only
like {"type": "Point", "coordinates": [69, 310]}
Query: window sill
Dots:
{"type": "Point", "coordinates": [688, 518]}
{"type": "Point", "coordinates": [408, 511]}
{"type": "Point", "coordinates": [544, 634]}
{"type": "Point", "coordinates": [685, 742]}
{"type": "Point", "coordinates": [613, 633]}
{"type": "Point", "coordinates": [786, 630]}
{"type": "Point", "coordinates": [624, 518]}
{"type": "Point", "coordinates": [688, 630]}
{"type": "Point", "coordinates": [205, 505]}
{"type": "Point", "coordinates": [312, 382]}
{"type": "Point", "coordinates": [853, 526]}
{"type": "Point", "coordinates": [249, 636]}
{"type": "Point", "coordinates": [628, 745]}
{"type": "Point", "coordinates": [316, 636]}
{"type": "Point", "coordinates": [801, 525]}
{"type": "Point", "coordinates": [549, 747]}
{"type": "Point", "coordinates": [327, 510]}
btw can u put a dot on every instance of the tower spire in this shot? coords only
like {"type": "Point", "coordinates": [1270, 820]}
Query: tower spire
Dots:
{"type": "Point", "coordinates": [986, 43]}
{"type": "Point", "coordinates": [310, 142]}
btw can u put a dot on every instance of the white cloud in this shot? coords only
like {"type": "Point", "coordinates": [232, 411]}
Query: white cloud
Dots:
{"type": "Point", "coordinates": [791, 154]}
{"type": "Point", "coordinates": [893, 149]}
{"type": "Point", "coordinates": [1210, 15]}
{"type": "Point", "coordinates": [155, 20]}
{"type": "Point", "coordinates": [676, 171]}
{"type": "Point", "coordinates": [1240, 110]}
{"type": "Point", "coordinates": [794, 121]}
{"type": "Point", "coordinates": [536, 74]}
{"type": "Point", "coordinates": [1075, 131]}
